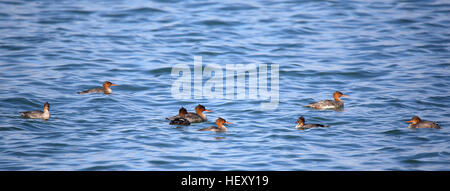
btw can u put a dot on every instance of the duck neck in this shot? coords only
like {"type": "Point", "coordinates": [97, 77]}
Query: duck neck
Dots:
{"type": "Point", "coordinates": [200, 113]}
{"type": "Point", "coordinates": [221, 126]}
{"type": "Point", "coordinates": [46, 109]}
{"type": "Point", "coordinates": [46, 114]}
{"type": "Point", "coordinates": [337, 98]}
{"type": "Point", "coordinates": [107, 89]}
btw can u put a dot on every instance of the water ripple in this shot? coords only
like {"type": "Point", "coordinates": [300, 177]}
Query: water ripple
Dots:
{"type": "Point", "coordinates": [391, 57]}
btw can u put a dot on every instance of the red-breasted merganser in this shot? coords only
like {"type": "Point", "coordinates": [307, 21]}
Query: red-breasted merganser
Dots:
{"type": "Point", "coordinates": [38, 114]}
{"type": "Point", "coordinates": [416, 122]}
{"type": "Point", "coordinates": [180, 120]}
{"type": "Point", "coordinates": [301, 124]}
{"type": "Point", "coordinates": [220, 127]}
{"type": "Point", "coordinates": [196, 117]}
{"type": "Point", "coordinates": [330, 104]}
{"type": "Point", "coordinates": [105, 89]}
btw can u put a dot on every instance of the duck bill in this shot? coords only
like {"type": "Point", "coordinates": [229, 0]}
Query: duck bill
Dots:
{"type": "Point", "coordinates": [228, 122]}
{"type": "Point", "coordinates": [408, 121]}
{"type": "Point", "coordinates": [343, 95]}
{"type": "Point", "coordinates": [208, 110]}
{"type": "Point", "coordinates": [114, 85]}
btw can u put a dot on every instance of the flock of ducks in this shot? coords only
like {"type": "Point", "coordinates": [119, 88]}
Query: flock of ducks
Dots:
{"type": "Point", "coordinates": [185, 118]}
{"type": "Point", "coordinates": [337, 104]}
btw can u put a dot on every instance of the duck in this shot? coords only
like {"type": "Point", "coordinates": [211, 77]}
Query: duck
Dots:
{"type": "Point", "coordinates": [44, 115]}
{"type": "Point", "coordinates": [219, 128]}
{"type": "Point", "coordinates": [330, 104]}
{"type": "Point", "coordinates": [105, 89]}
{"type": "Point", "coordinates": [180, 120]}
{"type": "Point", "coordinates": [416, 122]}
{"type": "Point", "coordinates": [196, 117]}
{"type": "Point", "coordinates": [301, 124]}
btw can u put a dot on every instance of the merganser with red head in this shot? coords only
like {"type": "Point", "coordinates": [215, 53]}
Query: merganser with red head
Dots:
{"type": "Point", "coordinates": [105, 89]}
{"type": "Point", "coordinates": [330, 104]}
{"type": "Point", "coordinates": [301, 124]}
{"type": "Point", "coordinates": [38, 114]}
{"type": "Point", "coordinates": [219, 128]}
{"type": "Point", "coordinates": [180, 120]}
{"type": "Point", "coordinates": [416, 122]}
{"type": "Point", "coordinates": [196, 117]}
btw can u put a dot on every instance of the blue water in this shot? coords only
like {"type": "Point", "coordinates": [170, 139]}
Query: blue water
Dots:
{"type": "Point", "coordinates": [391, 57]}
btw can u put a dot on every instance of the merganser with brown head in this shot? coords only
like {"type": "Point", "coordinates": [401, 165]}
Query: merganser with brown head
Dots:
{"type": "Point", "coordinates": [196, 117]}
{"type": "Point", "coordinates": [180, 120]}
{"type": "Point", "coordinates": [38, 114]}
{"type": "Point", "coordinates": [219, 128]}
{"type": "Point", "coordinates": [301, 124]}
{"type": "Point", "coordinates": [330, 104]}
{"type": "Point", "coordinates": [416, 122]}
{"type": "Point", "coordinates": [105, 89]}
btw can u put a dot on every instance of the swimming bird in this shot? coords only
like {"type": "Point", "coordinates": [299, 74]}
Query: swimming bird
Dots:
{"type": "Point", "coordinates": [416, 122]}
{"type": "Point", "coordinates": [181, 120]}
{"type": "Point", "coordinates": [330, 104]}
{"type": "Point", "coordinates": [301, 124]}
{"type": "Point", "coordinates": [38, 114]}
{"type": "Point", "coordinates": [219, 128]}
{"type": "Point", "coordinates": [105, 89]}
{"type": "Point", "coordinates": [196, 117]}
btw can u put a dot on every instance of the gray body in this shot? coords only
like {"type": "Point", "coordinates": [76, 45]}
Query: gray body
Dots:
{"type": "Point", "coordinates": [214, 128]}
{"type": "Point", "coordinates": [191, 117]}
{"type": "Point", "coordinates": [96, 90]}
{"type": "Point", "coordinates": [425, 124]}
{"type": "Point", "coordinates": [36, 114]}
{"type": "Point", "coordinates": [327, 104]}
{"type": "Point", "coordinates": [307, 126]}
